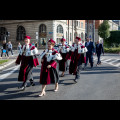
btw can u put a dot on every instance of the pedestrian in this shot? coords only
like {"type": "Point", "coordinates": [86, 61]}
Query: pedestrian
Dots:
{"type": "Point", "coordinates": [28, 60]}
{"type": "Point", "coordinates": [9, 45]}
{"type": "Point", "coordinates": [99, 51]}
{"type": "Point", "coordinates": [36, 45]}
{"type": "Point", "coordinates": [77, 59]}
{"type": "Point", "coordinates": [19, 46]}
{"type": "Point", "coordinates": [64, 51]}
{"type": "Point", "coordinates": [91, 51]}
{"type": "Point", "coordinates": [50, 67]}
{"type": "Point", "coordinates": [4, 49]}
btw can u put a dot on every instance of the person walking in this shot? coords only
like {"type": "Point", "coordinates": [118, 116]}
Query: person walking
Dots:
{"type": "Point", "coordinates": [50, 67]}
{"type": "Point", "coordinates": [9, 45]}
{"type": "Point", "coordinates": [77, 58]}
{"type": "Point", "coordinates": [4, 49]}
{"type": "Point", "coordinates": [99, 51]}
{"type": "Point", "coordinates": [19, 46]}
{"type": "Point", "coordinates": [36, 45]}
{"type": "Point", "coordinates": [91, 51]}
{"type": "Point", "coordinates": [64, 51]}
{"type": "Point", "coordinates": [28, 60]}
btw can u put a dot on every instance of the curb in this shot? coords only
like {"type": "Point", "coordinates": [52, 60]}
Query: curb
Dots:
{"type": "Point", "coordinates": [7, 64]}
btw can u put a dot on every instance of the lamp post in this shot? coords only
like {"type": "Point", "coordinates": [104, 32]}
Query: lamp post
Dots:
{"type": "Point", "coordinates": [94, 31]}
{"type": "Point", "coordinates": [72, 31]}
{"type": "Point", "coordinates": [68, 32]}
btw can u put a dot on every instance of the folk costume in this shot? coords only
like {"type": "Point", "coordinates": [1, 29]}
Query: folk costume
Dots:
{"type": "Point", "coordinates": [64, 51]}
{"type": "Point", "coordinates": [27, 58]}
{"type": "Point", "coordinates": [77, 58]}
{"type": "Point", "coordinates": [50, 57]}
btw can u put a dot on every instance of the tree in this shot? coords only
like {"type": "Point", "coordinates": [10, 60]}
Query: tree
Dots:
{"type": "Point", "coordinates": [103, 30]}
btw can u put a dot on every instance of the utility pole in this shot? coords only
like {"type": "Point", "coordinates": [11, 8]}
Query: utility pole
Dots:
{"type": "Point", "coordinates": [68, 32]}
{"type": "Point", "coordinates": [72, 31]}
{"type": "Point", "coordinates": [75, 28]}
{"type": "Point", "coordinates": [87, 28]}
{"type": "Point", "coordinates": [94, 31]}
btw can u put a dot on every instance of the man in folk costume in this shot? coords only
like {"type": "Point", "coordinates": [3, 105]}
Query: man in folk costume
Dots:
{"type": "Point", "coordinates": [77, 58]}
{"type": "Point", "coordinates": [50, 67]}
{"type": "Point", "coordinates": [27, 58]}
{"type": "Point", "coordinates": [64, 51]}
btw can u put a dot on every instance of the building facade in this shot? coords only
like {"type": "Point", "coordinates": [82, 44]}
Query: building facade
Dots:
{"type": "Point", "coordinates": [90, 29]}
{"type": "Point", "coordinates": [41, 30]}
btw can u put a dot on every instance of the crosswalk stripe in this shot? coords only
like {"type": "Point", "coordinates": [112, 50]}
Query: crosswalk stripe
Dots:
{"type": "Point", "coordinates": [8, 74]}
{"type": "Point", "coordinates": [108, 61]}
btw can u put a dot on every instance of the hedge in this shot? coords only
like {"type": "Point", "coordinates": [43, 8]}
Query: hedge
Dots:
{"type": "Point", "coordinates": [112, 50]}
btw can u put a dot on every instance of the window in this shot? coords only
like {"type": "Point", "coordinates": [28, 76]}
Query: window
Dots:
{"type": "Point", "coordinates": [59, 29]}
{"type": "Point", "coordinates": [21, 33]}
{"type": "Point", "coordinates": [81, 24]}
{"type": "Point", "coordinates": [42, 28]}
{"type": "Point", "coordinates": [3, 33]}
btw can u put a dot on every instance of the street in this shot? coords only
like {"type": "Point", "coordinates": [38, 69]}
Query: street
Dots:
{"type": "Point", "coordinates": [100, 83]}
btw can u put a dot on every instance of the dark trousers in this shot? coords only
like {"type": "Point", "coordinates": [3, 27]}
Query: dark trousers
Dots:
{"type": "Point", "coordinates": [79, 68]}
{"type": "Point", "coordinates": [28, 75]}
{"type": "Point", "coordinates": [90, 57]}
{"type": "Point", "coordinates": [5, 53]}
{"type": "Point", "coordinates": [98, 56]}
{"type": "Point", "coordinates": [9, 49]}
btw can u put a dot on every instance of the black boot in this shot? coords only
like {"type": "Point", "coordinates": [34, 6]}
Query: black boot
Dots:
{"type": "Point", "coordinates": [76, 78]}
{"type": "Point", "coordinates": [31, 83]}
{"type": "Point", "coordinates": [23, 86]}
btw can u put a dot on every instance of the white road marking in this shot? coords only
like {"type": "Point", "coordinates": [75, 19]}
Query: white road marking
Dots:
{"type": "Point", "coordinates": [106, 60]}
{"type": "Point", "coordinates": [114, 61]}
{"type": "Point", "coordinates": [8, 74]}
{"type": "Point", "coordinates": [8, 69]}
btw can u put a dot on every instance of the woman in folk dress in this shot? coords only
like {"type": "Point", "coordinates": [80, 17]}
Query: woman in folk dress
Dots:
{"type": "Point", "coordinates": [77, 58]}
{"type": "Point", "coordinates": [50, 67]}
{"type": "Point", "coordinates": [64, 51]}
{"type": "Point", "coordinates": [28, 60]}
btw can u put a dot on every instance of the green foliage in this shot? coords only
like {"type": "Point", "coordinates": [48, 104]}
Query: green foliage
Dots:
{"type": "Point", "coordinates": [112, 50]}
{"type": "Point", "coordinates": [114, 39]}
{"type": "Point", "coordinates": [103, 30]}
{"type": "Point", "coordinates": [3, 61]}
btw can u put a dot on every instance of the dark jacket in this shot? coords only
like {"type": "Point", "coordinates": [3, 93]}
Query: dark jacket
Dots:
{"type": "Point", "coordinates": [90, 47]}
{"type": "Point", "coordinates": [99, 49]}
{"type": "Point", "coordinates": [5, 46]}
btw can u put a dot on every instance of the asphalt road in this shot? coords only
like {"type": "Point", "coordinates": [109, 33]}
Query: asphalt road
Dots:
{"type": "Point", "coordinates": [101, 83]}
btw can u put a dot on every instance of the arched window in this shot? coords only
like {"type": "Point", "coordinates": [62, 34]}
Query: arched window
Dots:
{"type": "Point", "coordinates": [3, 33]}
{"type": "Point", "coordinates": [59, 29]}
{"type": "Point", "coordinates": [42, 28]}
{"type": "Point", "coordinates": [21, 33]}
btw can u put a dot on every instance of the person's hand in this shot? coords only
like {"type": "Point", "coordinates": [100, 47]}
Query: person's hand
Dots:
{"type": "Point", "coordinates": [49, 66]}
{"type": "Point", "coordinates": [93, 53]}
